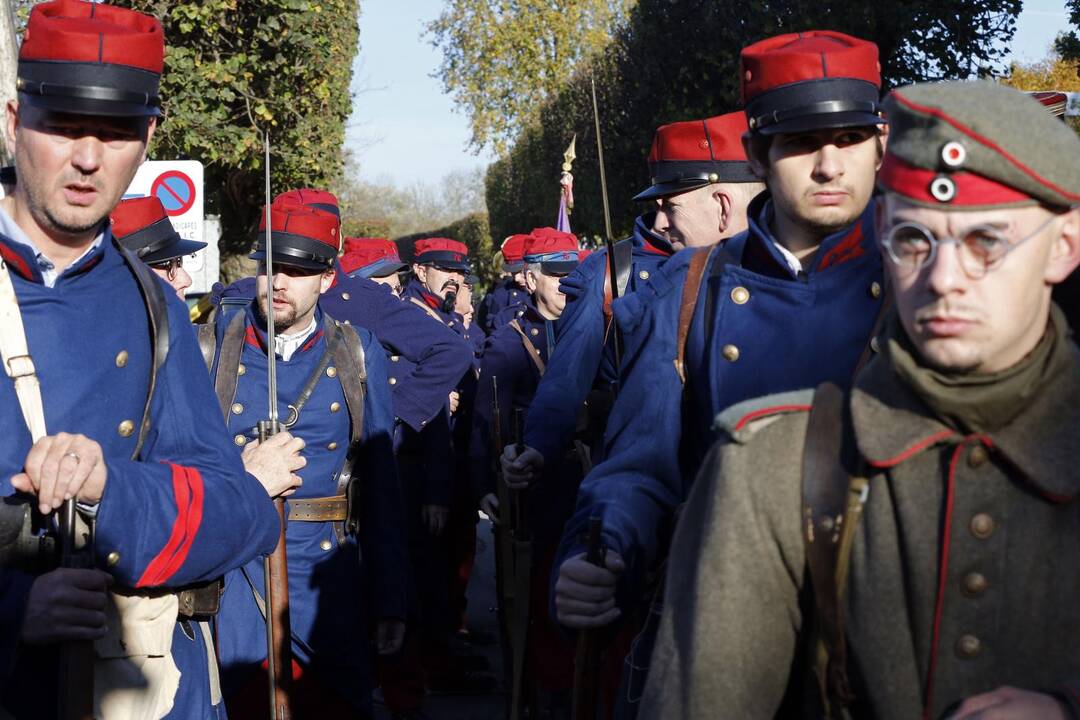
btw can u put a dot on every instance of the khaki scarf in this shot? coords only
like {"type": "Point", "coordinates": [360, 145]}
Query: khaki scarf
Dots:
{"type": "Point", "coordinates": [973, 403]}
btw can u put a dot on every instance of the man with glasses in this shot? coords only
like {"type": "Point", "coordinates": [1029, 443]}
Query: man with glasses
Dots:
{"type": "Point", "coordinates": [917, 531]}
{"type": "Point", "coordinates": [141, 225]}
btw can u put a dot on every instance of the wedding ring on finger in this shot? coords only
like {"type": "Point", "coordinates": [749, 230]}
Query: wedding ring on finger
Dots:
{"type": "Point", "coordinates": [72, 455]}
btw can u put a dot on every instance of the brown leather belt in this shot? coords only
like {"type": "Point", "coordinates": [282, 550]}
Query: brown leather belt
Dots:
{"type": "Point", "coordinates": [325, 509]}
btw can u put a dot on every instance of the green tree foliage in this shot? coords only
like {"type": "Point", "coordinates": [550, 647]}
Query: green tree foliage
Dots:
{"type": "Point", "coordinates": [1067, 44]}
{"type": "Point", "coordinates": [678, 60]}
{"type": "Point", "coordinates": [234, 68]}
{"type": "Point", "coordinates": [1050, 73]}
{"type": "Point", "coordinates": [503, 58]}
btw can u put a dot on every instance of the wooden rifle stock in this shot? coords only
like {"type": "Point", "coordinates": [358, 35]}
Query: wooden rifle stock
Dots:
{"type": "Point", "coordinates": [587, 659]}
{"type": "Point", "coordinates": [76, 696]}
{"type": "Point", "coordinates": [278, 632]}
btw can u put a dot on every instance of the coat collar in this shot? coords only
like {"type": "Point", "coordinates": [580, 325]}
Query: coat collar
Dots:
{"type": "Point", "coordinates": [648, 241]}
{"type": "Point", "coordinates": [760, 254]}
{"type": "Point", "coordinates": [892, 426]}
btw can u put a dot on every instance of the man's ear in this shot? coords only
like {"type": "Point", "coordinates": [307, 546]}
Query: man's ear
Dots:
{"type": "Point", "coordinates": [723, 209]}
{"type": "Point", "coordinates": [883, 143]}
{"type": "Point", "coordinates": [1065, 250]}
{"type": "Point", "coordinates": [530, 282]}
{"type": "Point", "coordinates": [420, 272]}
{"type": "Point", "coordinates": [12, 126]}
{"type": "Point", "coordinates": [327, 280]}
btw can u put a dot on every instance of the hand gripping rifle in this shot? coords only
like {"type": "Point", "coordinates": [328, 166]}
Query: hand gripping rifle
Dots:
{"type": "Point", "coordinates": [587, 659]}
{"type": "Point", "coordinates": [275, 567]}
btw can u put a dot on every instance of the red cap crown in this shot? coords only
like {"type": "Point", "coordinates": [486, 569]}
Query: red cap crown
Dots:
{"type": "Point", "coordinates": [716, 138]}
{"type": "Point", "coordinates": [304, 222]}
{"type": "Point", "coordinates": [440, 245]}
{"type": "Point", "coordinates": [312, 198]}
{"type": "Point", "coordinates": [811, 55]}
{"type": "Point", "coordinates": [546, 240]}
{"type": "Point", "coordinates": [135, 214]}
{"type": "Point", "coordinates": [513, 248]}
{"type": "Point", "coordinates": [83, 32]}
{"type": "Point", "coordinates": [361, 252]}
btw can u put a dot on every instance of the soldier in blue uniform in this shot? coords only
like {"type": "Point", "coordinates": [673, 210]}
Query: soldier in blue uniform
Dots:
{"type": "Point", "coordinates": [786, 305]}
{"type": "Point", "coordinates": [439, 269]}
{"type": "Point", "coordinates": [511, 290]}
{"type": "Point", "coordinates": [171, 506]}
{"type": "Point", "coordinates": [345, 537]}
{"type": "Point", "coordinates": [516, 355]}
{"type": "Point", "coordinates": [142, 226]}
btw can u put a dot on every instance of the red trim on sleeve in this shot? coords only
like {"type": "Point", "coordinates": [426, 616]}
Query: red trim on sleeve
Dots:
{"type": "Point", "coordinates": [917, 447]}
{"type": "Point", "coordinates": [188, 492]}
{"type": "Point", "coordinates": [943, 573]}
{"type": "Point", "coordinates": [762, 412]}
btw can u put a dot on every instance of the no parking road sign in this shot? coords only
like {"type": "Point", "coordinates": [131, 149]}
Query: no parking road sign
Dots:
{"type": "Point", "coordinates": [176, 191]}
{"type": "Point", "coordinates": [178, 184]}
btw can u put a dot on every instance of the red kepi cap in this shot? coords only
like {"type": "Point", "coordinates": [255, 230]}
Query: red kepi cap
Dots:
{"type": "Point", "coordinates": [91, 59]}
{"type": "Point", "coordinates": [513, 252]}
{"type": "Point", "coordinates": [371, 257]}
{"type": "Point", "coordinates": [303, 237]}
{"type": "Point", "coordinates": [555, 251]}
{"type": "Point", "coordinates": [442, 253]}
{"type": "Point", "coordinates": [312, 198]}
{"type": "Point", "coordinates": [812, 80]}
{"type": "Point", "coordinates": [694, 153]}
{"type": "Point", "coordinates": [142, 226]}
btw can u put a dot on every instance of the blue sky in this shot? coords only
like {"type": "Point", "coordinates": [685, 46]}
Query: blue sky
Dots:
{"type": "Point", "coordinates": [405, 130]}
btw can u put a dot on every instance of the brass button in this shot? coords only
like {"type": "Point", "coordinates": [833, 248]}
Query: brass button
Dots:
{"type": "Point", "coordinates": [875, 290]}
{"type": "Point", "coordinates": [977, 456]}
{"type": "Point", "coordinates": [875, 345]}
{"type": "Point", "coordinates": [730, 353]}
{"type": "Point", "coordinates": [335, 406]}
{"type": "Point", "coordinates": [974, 584]}
{"type": "Point", "coordinates": [395, 358]}
{"type": "Point", "coordinates": [241, 370]}
{"type": "Point", "coordinates": [968, 646]}
{"type": "Point", "coordinates": [982, 526]}
{"type": "Point", "coordinates": [644, 274]}
{"type": "Point", "coordinates": [121, 358]}
{"type": "Point", "coordinates": [240, 440]}
{"type": "Point", "coordinates": [332, 446]}
{"type": "Point", "coordinates": [346, 322]}
{"type": "Point", "coordinates": [740, 295]}
{"type": "Point", "coordinates": [112, 559]}
{"type": "Point", "coordinates": [126, 428]}
{"type": "Point", "coordinates": [331, 371]}
{"type": "Point", "coordinates": [237, 408]}
{"type": "Point", "coordinates": [534, 332]}
{"type": "Point", "coordinates": [345, 296]}
{"type": "Point", "coordinates": [326, 545]}
{"type": "Point", "coordinates": [393, 381]}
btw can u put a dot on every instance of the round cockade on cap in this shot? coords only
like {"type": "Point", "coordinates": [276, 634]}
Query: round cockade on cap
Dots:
{"type": "Point", "coordinates": [302, 237]}
{"type": "Point", "coordinates": [811, 80]}
{"type": "Point", "coordinates": [371, 257]}
{"type": "Point", "coordinates": [694, 153]}
{"type": "Point", "coordinates": [142, 226]}
{"type": "Point", "coordinates": [312, 198]}
{"type": "Point", "coordinates": [91, 59]}
{"type": "Point", "coordinates": [977, 145]}
{"type": "Point", "coordinates": [441, 252]}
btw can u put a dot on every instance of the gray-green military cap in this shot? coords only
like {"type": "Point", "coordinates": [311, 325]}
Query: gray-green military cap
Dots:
{"type": "Point", "coordinates": [979, 144]}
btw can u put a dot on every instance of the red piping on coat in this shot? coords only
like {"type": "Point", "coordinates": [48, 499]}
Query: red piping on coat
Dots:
{"type": "Point", "coordinates": [917, 447]}
{"type": "Point", "coordinates": [762, 412]}
{"type": "Point", "coordinates": [188, 493]}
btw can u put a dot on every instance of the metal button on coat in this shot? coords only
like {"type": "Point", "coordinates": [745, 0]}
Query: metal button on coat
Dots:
{"type": "Point", "coordinates": [393, 381]}
{"type": "Point", "coordinates": [345, 296]}
{"type": "Point", "coordinates": [332, 446]}
{"type": "Point", "coordinates": [977, 456]}
{"type": "Point", "coordinates": [534, 332]}
{"type": "Point", "coordinates": [335, 406]}
{"type": "Point", "coordinates": [968, 646]}
{"type": "Point", "coordinates": [112, 559]}
{"type": "Point", "coordinates": [241, 370]}
{"type": "Point", "coordinates": [239, 440]}
{"type": "Point", "coordinates": [875, 346]}
{"type": "Point", "coordinates": [730, 353]}
{"type": "Point", "coordinates": [121, 358]}
{"type": "Point", "coordinates": [644, 274]}
{"type": "Point", "coordinates": [325, 545]}
{"type": "Point", "coordinates": [740, 295]}
{"type": "Point", "coordinates": [237, 408]}
{"type": "Point", "coordinates": [126, 428]}
{"type": "Point", "coordinates": [974, 584]}
{"type": "Point", "coordinates": [331, 371]}
{"type": "Point", "coordinates": [875, 290]}
{"type": "Point", "coordinates": [982, 526]}
{"type": "Point", "coordinates": [395, 358]}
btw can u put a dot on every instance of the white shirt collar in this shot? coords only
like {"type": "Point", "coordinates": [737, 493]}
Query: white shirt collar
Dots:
{"type": "Point", "coordinates": [286, 346]}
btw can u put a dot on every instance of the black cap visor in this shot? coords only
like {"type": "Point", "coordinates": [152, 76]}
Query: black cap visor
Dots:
{"type": "Point", "coordinates": [815, 105]}
{"type": "Point", "coordinates": [89, 88]}
{"type": "Point", "coordinates": [559, 268]}
{"type": "Point", "coordinates": [676, 177]}
{"type": "Point", "coordinates": [296, 251]}
{"type": "Point", "coordinates": [179, 248]}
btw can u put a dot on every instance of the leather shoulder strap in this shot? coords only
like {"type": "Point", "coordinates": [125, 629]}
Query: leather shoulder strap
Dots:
{"type": "Point", "coordinates": [207, 335]}
{"type": "Point", "coordinates": [624, 261]}
{"type": "Point", "coordinates": [158, 313]}
{"type": "Point", "coordinates": [833, 493]}
{"type": "Point", "coordinates": [348, 355]}
{"type": "Point", "coordinates": [530, 349]}
{"type": "Point", "coordinates": [695, 273]}
{"type": "Point", "coordinates": [228, 365]}
{"type": "Point", "coordinates": [426, 309]}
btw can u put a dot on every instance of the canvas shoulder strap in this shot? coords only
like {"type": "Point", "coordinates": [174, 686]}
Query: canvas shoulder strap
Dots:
{"type": "Point", "coordinates": [426, 309]}
{"type": "Point", "coordinates": [347, 353]}
{"type": "Point", "coordinates": [530, 349]}
{"type": "Point", "coordinates": [18, 364]}
{"type": "Point", "coordinates": [695, 274]}
{"type": "Point", "coordinates": [834, 490]}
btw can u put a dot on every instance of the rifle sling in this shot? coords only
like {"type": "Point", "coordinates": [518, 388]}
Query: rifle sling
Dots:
{"type": "Point", "coordinates": [624, 255]}
{"type": "Point", "coordinates": [531, 350]}
{"type": "Point", "coordinates": [834, 488]}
